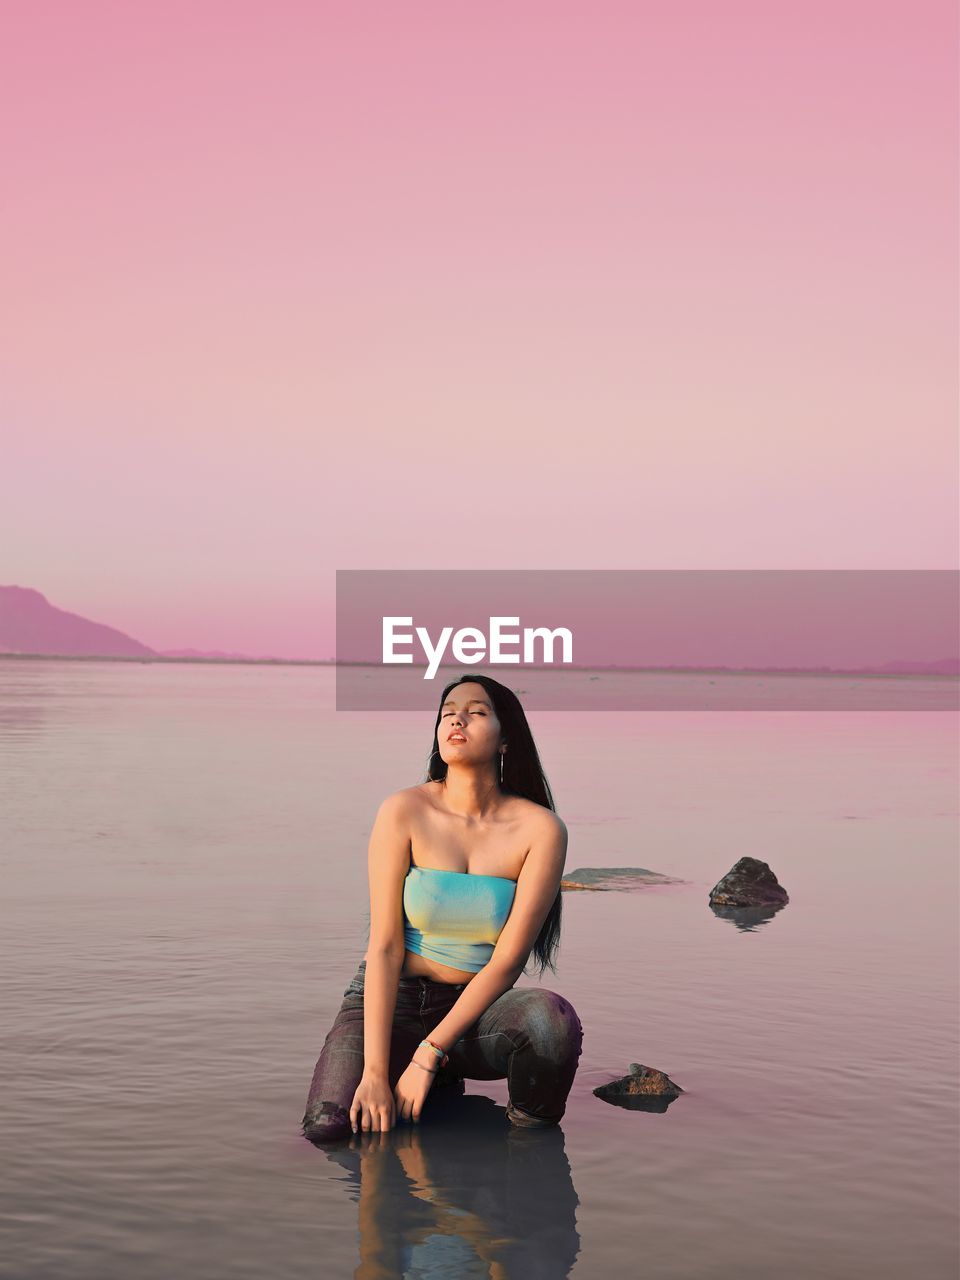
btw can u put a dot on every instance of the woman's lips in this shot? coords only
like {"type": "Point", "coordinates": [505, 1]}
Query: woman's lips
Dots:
{"type": "Point", "coordinates": [456, 737]}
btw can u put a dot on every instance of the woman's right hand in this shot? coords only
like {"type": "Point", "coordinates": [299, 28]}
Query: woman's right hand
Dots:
{"type": "Point", "coordinates": [373, 1106]}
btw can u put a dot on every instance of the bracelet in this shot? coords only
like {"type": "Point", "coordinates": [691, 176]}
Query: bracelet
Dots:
{"type": "Point", "coordinates": [428, 1070]}
{"type": "Point", "coordinates": [431, 1044]}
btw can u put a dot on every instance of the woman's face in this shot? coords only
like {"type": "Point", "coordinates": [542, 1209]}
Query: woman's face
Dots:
{"type": "Point", "coordinates": [468, 712]}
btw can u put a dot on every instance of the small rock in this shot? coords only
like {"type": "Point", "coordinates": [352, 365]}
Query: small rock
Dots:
{"type": "Point", "coordinates": [748, 883]}
{"type": "Point", "coordinates": [614, 878]}
{"type": "Point", "coordinates": [644, 1089]}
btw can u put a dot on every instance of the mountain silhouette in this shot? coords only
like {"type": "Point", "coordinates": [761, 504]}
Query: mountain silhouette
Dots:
{"type": "Point", "coordinates": [30, 624]}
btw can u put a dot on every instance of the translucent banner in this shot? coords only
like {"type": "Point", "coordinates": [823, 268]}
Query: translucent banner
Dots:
{"type": "Point", "coordinates": [648, 639]}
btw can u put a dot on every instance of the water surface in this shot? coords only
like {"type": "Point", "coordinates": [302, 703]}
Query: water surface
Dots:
{"type": "Point", "coordinates": [184, 871]}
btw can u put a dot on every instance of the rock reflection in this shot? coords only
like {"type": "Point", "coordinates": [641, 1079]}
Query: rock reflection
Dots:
{"type": "Point", "coordinates": [746, 918]}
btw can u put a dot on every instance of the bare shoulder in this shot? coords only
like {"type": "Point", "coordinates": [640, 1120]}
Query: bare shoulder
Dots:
{"type": "Point", "coordinates": [416, 796]}
{"type": "Point", "coordinates": [540, 820]}
{"type": "Point", "coordinates": [396, 807]}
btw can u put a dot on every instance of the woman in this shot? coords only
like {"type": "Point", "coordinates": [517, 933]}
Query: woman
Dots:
{"type": "Point", "coordinates": [465, 873]}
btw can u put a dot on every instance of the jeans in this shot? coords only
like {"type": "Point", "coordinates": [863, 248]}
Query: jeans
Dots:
{"type": "Point", "coordinates": [529, 1036]}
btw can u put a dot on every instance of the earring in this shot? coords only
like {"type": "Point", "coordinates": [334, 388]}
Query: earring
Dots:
{"type": "Point", "coordinates": [502, 754]}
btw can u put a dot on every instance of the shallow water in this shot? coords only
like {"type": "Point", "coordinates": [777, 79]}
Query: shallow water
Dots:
{"type": "Point", "coordinates": [184, 857]}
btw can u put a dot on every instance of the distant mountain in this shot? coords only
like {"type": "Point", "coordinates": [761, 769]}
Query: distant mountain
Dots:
{"type": "Point", "coordinates": [944, 667]}
{"type": "Point", "coordinates": [213, 653]}
{"type": "Point", "coordinates": [906, 667]}
{"type": "Point", "coordinates": [29, 623]}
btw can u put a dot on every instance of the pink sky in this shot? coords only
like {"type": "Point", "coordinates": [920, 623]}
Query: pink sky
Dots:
{"type": "Point", "coordinates": [296, 287]}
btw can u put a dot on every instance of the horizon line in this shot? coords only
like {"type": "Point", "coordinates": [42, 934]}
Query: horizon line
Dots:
{"type": "Point", "coordinates": [554, 667]}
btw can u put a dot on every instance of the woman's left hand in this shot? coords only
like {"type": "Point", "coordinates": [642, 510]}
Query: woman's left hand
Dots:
{"type": "Point", "coordinates": [414, 1085]}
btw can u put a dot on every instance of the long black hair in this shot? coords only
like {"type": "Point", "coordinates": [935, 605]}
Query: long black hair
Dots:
{"type": "Point", "coordinates": [522, 776]}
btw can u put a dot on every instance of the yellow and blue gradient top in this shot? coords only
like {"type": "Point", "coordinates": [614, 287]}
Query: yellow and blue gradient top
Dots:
{"type": "Point", "coordinates": [455, 917]}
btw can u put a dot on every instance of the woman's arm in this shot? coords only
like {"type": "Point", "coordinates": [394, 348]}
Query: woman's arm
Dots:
{"type": "Point", "coordinates": [388, 859]}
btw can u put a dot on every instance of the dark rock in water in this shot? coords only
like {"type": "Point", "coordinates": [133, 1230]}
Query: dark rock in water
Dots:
{"type": "Point", "coordinates": [614, 878]}
{"type": "Point", "coordinates": [748, 883]}
{"type": "Point", "coordinates": [644, 1089]}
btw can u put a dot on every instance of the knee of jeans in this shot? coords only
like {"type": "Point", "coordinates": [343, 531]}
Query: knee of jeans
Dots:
{"type": "Point", "coordinates": [553, 1027]}
{"type": "Point", "coordinates": [326, 1122]}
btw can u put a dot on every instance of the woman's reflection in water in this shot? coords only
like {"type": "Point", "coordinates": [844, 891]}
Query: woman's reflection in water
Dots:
{"type": "Point", "coordinates": [462, 1194]}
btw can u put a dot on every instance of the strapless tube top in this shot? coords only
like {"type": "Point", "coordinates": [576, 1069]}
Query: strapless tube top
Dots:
{"type": "Point", "coordinates": [455, 917]}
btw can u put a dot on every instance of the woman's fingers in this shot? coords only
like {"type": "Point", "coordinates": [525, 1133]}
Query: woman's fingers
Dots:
{"type": "Point", "coordinates": [370, 1119]}
{"type": "Point", "coordinates": [380, 1119]}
